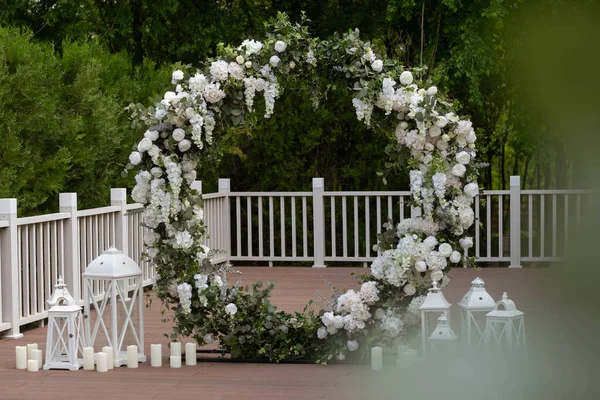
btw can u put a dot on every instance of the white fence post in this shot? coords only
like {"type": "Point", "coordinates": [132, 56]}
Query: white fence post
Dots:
{"type": "Point", "coordinates": [318, 186]}
{"type": "Point", "coordinates": [225, 228]}
{"type": "Point", "coordinates": [10, 292]}
{"type": "Point", "coordinates": [68, 204]}
{"type": "Point", "coordinates": [118, 197]}
{"type": "Point", "coordinates": [197, 185]}
{"type": "Point", "coordinates": [515, 222]}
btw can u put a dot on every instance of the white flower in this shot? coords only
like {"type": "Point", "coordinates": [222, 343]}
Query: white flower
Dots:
{"type": "Point", "coordinates": [236, 71]}
{"type": "Point", "coordinates": [406, 78]}
{"type": "Point", "coordinates": [231, 309]}
{"type": "Point", "coordinates": [379, 313]}
{"type": "Point", "coordinates": [159, 114]}
{"type": "Point", "coordinates": [184, 291]}
{"type": "Point", "coordinates": [184, 145]}
{"type": "Point", "coordinates": [208, 338]}
{"type": "Point", "coordinates": [377, 65]}
{"type": "Point", "coordinates": [213, 93]}
{"type": "Point", "coordinates": [409, 289]}
{"type": "Point", "coordinates": [434, 131]}
{"type": "Point", "coordinates": [135, 158]}
{"type": "Point", "coordinates": [369, 293]}
{"type": "Point", "coordinates": [420, 266]}
{"type": "Point", "coordinates": [176, 76]}
{"type": "Point", "coordinates": [145, 145]}
{"type": "Point", "coordinates": [248, 64]}
{"type": "Point", "coordinates": [251, 46]}
{"type": "Point", "coordinates": [463, 157]}
{"type": "Point", "coordinates": [178, 134]}
{"type": "Point", "coordinates": [432, 91]}
{"type": "Point", "coordinates": [322, 332]}
{"type": "Point", "coordinates": [445, 249]}
{"type": "Point", "coordinates": [442, 145]}
{"type": "Point", "coordinates": [352, 345]}
{"type": "Point", "coordinates": [292, 65]}
{"type": "Point", "coordinates": [240, 60]}
{"type": "Point", "coordinates": [338, 322]}
{"type": "Point", "coordinates": [280, 46]}
{"type": "Point", "coordinates": [219, 71]}
{"type": "Point", "coordinates": [459, 170]}
{"type": "Point", "coordinates": [455, 257]}
{"type": "Point", "coordinates": [152, 135]}
{"type": "Point", "coordinates": [217, 281]}
{"type": "Point", "coordinates": [430, 241]}
{"type": "Point", "coordinates": [274, 61]}
{"type": "Point", "coordinates": [445, 138]}
{"type": "Point", "coordinates": [467, 217]}
{"type": "Point", "coordinates": [441, 121]}
{"type": "Point", "coordinates": [327, 319]}
{"type": "Point", "coordinates": [341, 357]}
{"type": "Point", "coordinates": [436, 275]}
{"type": "Point", "coordinates": [471, 189]}
{"type": "Point", "coordinates": [471, 137]}
{"type": "Point", "coordinates": [466, 243]}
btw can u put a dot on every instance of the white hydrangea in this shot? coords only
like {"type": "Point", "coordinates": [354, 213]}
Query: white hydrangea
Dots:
{"type": "Point", "coordinates": [184, 291]}
{"type": "Point", "coordinates": [327, 319]}
{"type": "Point", "coordinates": [201, 282]}
{"type": "Point", "coordinates": [236, 71]}
{"type": "Point", "coordinates": [369, 293]}
{"type": "Point", "coordinates": [219, 71]}
{"type": "Point", "coordinates": [466, 243]}
{"type": "Point", "coordinates": [183, 240]}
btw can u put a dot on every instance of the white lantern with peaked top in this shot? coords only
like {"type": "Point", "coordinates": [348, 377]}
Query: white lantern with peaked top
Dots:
{"type": "Point", "coordinates": [474, 305]}
{"type": "Point", "coordinates": [505, 326]}
{"type": "Point", "coordinates": [443, 339]}
{"type": "Point", "coordinates": [435, 303]}
{"type": "Point", "coordinates": [112, 275]}
{"type": "Point", "coordinates": [64, 340]}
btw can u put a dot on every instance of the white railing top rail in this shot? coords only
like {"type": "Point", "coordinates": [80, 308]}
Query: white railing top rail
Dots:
{"type": "Point", "coordinates": [134, 206]}
{"type": "Point", "coordinates": [373, 193]}
{"type": "Point", "coordinates": [260, 194]}
{"type": "Point", "coordinates": [3, 224]}
{"type": "Point", "coordinates": [98, 211]}
{"type": "Point", "coordinates": [558, 191]}
{"type": "Point", "coordinates": [42, 218]}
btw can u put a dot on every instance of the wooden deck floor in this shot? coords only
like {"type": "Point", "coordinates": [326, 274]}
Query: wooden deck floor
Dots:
{"type": "Point", "coordinates": [213, 380]}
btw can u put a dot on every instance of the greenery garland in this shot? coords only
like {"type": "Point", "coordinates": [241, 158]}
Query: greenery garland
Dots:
{"type": "Point", "coordinates": [186, 130]}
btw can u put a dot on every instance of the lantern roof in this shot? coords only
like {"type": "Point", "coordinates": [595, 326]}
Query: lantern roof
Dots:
{"type": "Point", "coordinates": [61, 295]}
{"type": "Point", "coordinates": [477, 298]}
{"type": "Point", "coordinates": [435, 300]}
{"type": "Point", "coordinates": [505, 308]}
{"type": "Point", "coordinates": [442, 331]}
{"type": "Point", "coordinates": [112, 264]}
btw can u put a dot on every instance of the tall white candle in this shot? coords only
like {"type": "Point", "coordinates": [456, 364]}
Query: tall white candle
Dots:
{"type": "Point", "coordinates": [176, 349]}
{"type": "Point", "coordinates": [156, 355]}
{"type": "Point", "coordinates": [88, 358]}
{"type": "Point", "coordinates": [102, 362]}
{"type": "Point", "coordinates": [175, 361]}
{"type": "Point", "coordinates": [110, 359]}
{"type": "Point", "coordinates": [30, 348]}
{"type": "Point", "coordinates": [37, 355]}
{"type": "Point", "coordinates": [32, 366]}
{"type": "Point", "coordinates": [132, 356]}
{"type": "Point", "coordinates": [376, 358]}
{"type": "Point", "coordinates": [190, 354]}
{"type": "Point", "coordinates": [21, 354]}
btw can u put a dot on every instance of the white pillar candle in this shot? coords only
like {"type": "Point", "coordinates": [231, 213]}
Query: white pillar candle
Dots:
{"type": "Point", "coordinates": [132, 356]}
{"type": "Point", "coordinates": [156, 355]}
{"type": "Point", "coordinates": [175, 361]}
{"type": "Point", "coordinates": [37, 355]}
{"type": "Point", "coordinates": [30, 348]}
{"type": "Point", "coordinates": [190, 354]}
{"type": "Point", "coordinates": [88, 358]}
{"type": "Point", "coordinates": [110, 358]}
{"type": "Point", "coordinates": [32, 366]}
{"type": "Point", "coordinates": [377, 358]}
{"type": "Point", "coordinates": [175, 349]}
{"type": "Point", "coordinates": [102, 362]}
{"type": "Point", "coordinates": [21, 354]}
{"type": "Point", "coordinates": [402, 349]}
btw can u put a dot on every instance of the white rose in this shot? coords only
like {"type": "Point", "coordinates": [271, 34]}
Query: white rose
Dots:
{"type": "Point", "coordinates": [156, 172]}
{"type": "Point", "coordinates": [445, 137]}
{"type": "Point", "coordinates": [429, 147]}
{"type": "Point", "coordinates": [248, 64]}
{"type": "Point", "coordinates": [459, 170]}
{"type": "Point", "coordinates": [322, 332]}
{"type": "Point", "coordinates": [208, 338]}
{"type": "Point", "coordinates": [160, 114]}
{"type": "Point", "coordinates": [240, 59]}
{"type": "Point", "coordinates": [377, 65]}
{"type": "Point", "coordinates": [421, 92]}
{"type": "Point", "coordinates": [467, 217]}
{"type": "Point", "coordinates": [154, 150]}
{"type": "Point", "coordinates": [455, 257]}
{"type": "Point", "coordinates": [184, 145]}
{"type": "Point", "coordinates": [434, 131]}
{"type": "Point", "coordinates": [471, 189]}
{"type": "Point", "coordinates": [471, 137]}
{"type": "Point", "coordinates": [152, 135]}
{"type": "Point", "coordinates": [466, 243]}
{"type": "Point", "coordinates": [437, 275]}
{"type": "Point", "coordinates": [135, 158]}
{"type": "Point", "coordinates": [463, 157]}
{"type": "Point", "coordinates": [430, 241]}
{"type": "Point", "coordinates": [176, 76]}
{"type": "Point", "coordinates": [441, 121]}
{"type": "Point", "coordinates": [231, 309]}
{"type": "Point", "coordinates": [332, 330]}
{"type": "Point", "coordinates": [421, 266]}
{"type": "Point", "coordinates": [145, 145]}
{"type": "Point", "coordinates": [379, 313]}
{"type": "Point", "coordinates": [292, 65]}
{"type": "Point", "coordinates": [406, 78]}
{"type": "Point", "coordinates": [445, 249]}
{"type": "Point", "coordinates": [432, 91]}
{"type": "Point", "coordinates": [409, 289]}
{"type": "Point", "coordinates": [327, 319]}
{"type": "Point", "coordinates": [442, 145]}
{"type": "Point", "coordinates": [352, 345]}
{"type": "Point", "coordinates": [178, 134]}
{"type": "Point", "coordinates": [274, 61]}
{"type": "Point", "coordinates": [280, 46]}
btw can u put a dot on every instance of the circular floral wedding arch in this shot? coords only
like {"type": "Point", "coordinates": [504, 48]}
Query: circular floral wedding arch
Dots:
{"type": "Point", "coordinates": [183, 131]}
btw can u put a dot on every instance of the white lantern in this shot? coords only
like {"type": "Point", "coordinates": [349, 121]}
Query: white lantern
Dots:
{"type": "Point", "coordinates": [443, 339]}
{"type": "Point", "coordinates": [505, 326]}
{"type": "Point", "coordinates": [107, 281]}
{"type": "Point", "coordinates": [64, 340]}
{"type": "Point", "coordinates": [435, 303]}
{"type": "Point", "coordinates": [474, 305]}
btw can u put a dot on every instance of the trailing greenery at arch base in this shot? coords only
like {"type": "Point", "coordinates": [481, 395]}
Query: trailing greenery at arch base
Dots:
{"type": "Point", "coordinates": [184, 132]}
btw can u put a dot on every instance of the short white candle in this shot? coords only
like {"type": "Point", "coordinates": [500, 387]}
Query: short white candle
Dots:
{"type": "Point", "coordinates": [190, 354]}
{"type": "Point", "coordinates": [132, 356]}
{"type": "Point", "coordinates": [402, 349]}
{"type": "Point", "coordinates": [156, 355]}
{"type": "Point", "coordinates": [376, 358]}
{"type": "Point", "coordinates": [32, 366]}
{"type": "Point", "coordinates": [175, 361]}
{"type": "Point", "coordinates": [176, 349]}
{"type": "Point", "coordinates": [37, 355]}
{"type": "Point", "coordinates": [88, 358]}
{"type": "Point", "coordinates": [30, 348]}
{"type": "Point", "coordinates": [21, 353]}
{"type": "Point", "coordinates": [110, 359]}
{"type": "Point", "coordinates": [102, 362]}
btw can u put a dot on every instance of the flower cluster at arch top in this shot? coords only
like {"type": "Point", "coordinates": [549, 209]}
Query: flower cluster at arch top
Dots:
{"type": "Point", "coordinates": [182, 132]}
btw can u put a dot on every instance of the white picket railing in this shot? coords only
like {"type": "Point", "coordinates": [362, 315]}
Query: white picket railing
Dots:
{"type": "Point", "coordinates": [317, 228]}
